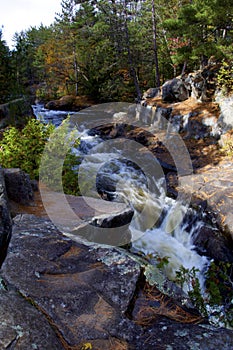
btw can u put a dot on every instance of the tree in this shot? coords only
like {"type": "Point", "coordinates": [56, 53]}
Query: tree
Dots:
{"type": "Point", "coordinates": [5, 71]}
{"type": "Point", "coordinates": [28, 69]}
{"type": "Point", "coordinates": [201, 29]}
{"type": "Point", "coordinates": [155, 46]}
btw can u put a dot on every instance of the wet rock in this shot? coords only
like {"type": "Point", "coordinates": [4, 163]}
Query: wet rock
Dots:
{"type": "Point", "coordinates": [18, 186]}
{"type": "Point", "coordinates": [107, 229]}
{"type": "Point", "coordinates": [211, 243]}
{"type": "Point", "coordinates": [5, 220]}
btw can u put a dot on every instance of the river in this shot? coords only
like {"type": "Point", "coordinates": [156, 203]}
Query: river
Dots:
{"type": "Point", "coordinates": [155, 232]}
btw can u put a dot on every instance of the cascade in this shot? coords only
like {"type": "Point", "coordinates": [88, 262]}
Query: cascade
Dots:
{"type": "Point", "coordinates": [154, 228]}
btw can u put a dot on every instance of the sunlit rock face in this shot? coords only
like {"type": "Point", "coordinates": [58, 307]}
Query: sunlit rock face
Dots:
{"type": "Point", "coordinates": [226, 112]}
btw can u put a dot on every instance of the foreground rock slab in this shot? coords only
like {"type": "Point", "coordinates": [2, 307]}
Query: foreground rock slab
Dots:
{"type": "Point", "coordinates": [82, 297]}
{"type": "Point", "coordinates": [78, 294]}
{"type": "Point", "coordinates": [22, 326]}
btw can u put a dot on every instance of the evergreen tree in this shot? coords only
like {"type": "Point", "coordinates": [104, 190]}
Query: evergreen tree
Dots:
{"type": "Point", "coordinates": [5, 71]}
{"type": "Point", "coordinates": [200, 29]}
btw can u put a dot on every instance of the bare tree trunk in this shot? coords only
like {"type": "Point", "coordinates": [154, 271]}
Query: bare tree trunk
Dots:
{"type": "Point", "coordinates": [184, 68]}
{"type": "Point", "coordinates": [155, 46]}
{"type": "Point", "coordinates": [130, 58]}
{"type": "Point", "coordinates": [75, 72]}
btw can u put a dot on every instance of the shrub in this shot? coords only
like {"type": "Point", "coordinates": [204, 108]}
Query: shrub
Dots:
{"type": "Point", "coordinates": [225, 78]}
{"type": "Point", "coordinates": [23, 148]}
{"type": "Point", "coordinates": [59, 164]}
{"type": "Point", "coordinates": [217, 302]}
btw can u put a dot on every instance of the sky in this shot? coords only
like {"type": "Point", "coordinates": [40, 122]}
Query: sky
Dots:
{"type": "Point", "coordinates": [18, 15]}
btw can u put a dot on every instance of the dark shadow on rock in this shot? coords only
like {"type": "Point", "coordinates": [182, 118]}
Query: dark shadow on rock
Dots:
{"type": "Point", "coordinates": [5, 220]}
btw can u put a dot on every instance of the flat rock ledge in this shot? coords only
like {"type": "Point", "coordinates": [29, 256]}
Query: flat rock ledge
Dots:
{"type": "Point", "coordinates": [214, 185]}
{"type": "Point", "coordinates": [56, 293]}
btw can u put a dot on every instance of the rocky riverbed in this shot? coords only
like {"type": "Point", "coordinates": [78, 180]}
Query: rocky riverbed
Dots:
{"type": "Point", "coordinates": [61, 292]}
{"type": "Point", "coordinates": [57, 293]}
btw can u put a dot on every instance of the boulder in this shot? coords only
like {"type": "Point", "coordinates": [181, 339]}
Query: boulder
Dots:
{"type": "Point", "coordinates": [199, 86]}
{"type": "Point", "coordinates": [18, 186]}
{"type": "Point", "coordinates": [225, 120]}
{"type": "Point", "coordinates": [5, 220]}
{"type": "Point", "coordinates": [214, 245]}
{"type": "Point", "coordinates": [70, 103]}
{"type": "Point", "coordinates": [150, 93]}
{"type": "Point", "coordinates": [83, 291]}
{"type": "Point", "coordinates": [174, 91]}
{"type": "Point", "coordinates": [107, 229]}
{"type": "Point", "coordinates": [15, 113]}
{"type": "Point", "coordinates": [196, 127]}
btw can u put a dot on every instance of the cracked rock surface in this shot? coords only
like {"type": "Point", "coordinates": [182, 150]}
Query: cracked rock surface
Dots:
{"type": "Point", "coordinates": [60, 294]}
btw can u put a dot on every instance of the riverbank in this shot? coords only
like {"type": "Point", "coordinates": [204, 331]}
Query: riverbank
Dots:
{"type": "Point", "coordinates": [80, 293]}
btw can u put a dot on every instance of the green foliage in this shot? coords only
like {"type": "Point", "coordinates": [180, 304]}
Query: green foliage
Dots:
{"type": "Point", "coordinates": [6, 82]}
{"type": "Point", "coordinates": [219, 283]}
{"type": "Point", "coordinates": [70, 174]}
{"type": "Point", "coordinates": [58, 168]}
{"type": "Point", "coordinates": [23, 149]}
{"type": "Point", "coordinates": [227, 149]}
{"type": "Point", "coordinates": [188, 280]}
{"type": "Point", "coordinates": [155, 259]}
{"type": "Point", "coordinates": [217, 301]}
{"type": "Point", "coordinates": [225, 78]}
{"type": "Point", "coordinates": [90, 44]}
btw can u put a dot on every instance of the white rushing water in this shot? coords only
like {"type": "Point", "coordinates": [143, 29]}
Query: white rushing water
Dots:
{"type": "Point", "coordinates": [154, 226]}
{"type": "Point", "coordinates": [150, 233]}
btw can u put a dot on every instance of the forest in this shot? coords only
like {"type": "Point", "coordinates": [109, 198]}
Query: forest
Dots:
{"type": "Point", "coordinates": [113, 50]}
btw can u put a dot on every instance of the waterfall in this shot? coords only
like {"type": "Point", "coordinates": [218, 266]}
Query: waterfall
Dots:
{"type": "Point", "coordinates": [158, 226]}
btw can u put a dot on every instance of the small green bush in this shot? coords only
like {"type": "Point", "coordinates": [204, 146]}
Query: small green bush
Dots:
{"type": "Point", "coordinates": [23, 148]}
{"type": "Point", "coordinates": [227, 149]}
{"type": "Point", "coordinates": [225, 78]}
{"type": "Point", "coordinates": [217, 302]}
{"type": "Point", "coordinates": [59, 164]}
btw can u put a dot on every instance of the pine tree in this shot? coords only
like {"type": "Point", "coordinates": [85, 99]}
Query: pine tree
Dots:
{"type": "Point", "coordinates": [5, 71]}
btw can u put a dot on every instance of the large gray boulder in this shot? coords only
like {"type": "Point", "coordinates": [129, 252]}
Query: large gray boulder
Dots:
{"type": "Point", "coordinates": [18, 186]}
{"type": "Point", "coordinates": [225, 120]}
{"type": "Point", "coordinates": [174, 91]}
